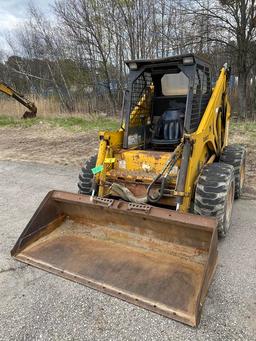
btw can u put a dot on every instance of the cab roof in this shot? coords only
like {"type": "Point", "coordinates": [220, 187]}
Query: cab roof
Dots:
{"type": "Point", "coordinates": [169, 60]}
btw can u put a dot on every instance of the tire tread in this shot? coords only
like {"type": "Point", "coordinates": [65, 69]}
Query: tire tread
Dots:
{"type": "Point", "coordinates": [85, 177]}
{"type": "Point", "coordinates": [211, 192]}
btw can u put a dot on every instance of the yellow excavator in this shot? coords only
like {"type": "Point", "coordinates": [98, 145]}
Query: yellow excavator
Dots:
{"type": "Point", "coordinates": [7, 90]}
{"type": "Point", "coordinates": [144, 226]}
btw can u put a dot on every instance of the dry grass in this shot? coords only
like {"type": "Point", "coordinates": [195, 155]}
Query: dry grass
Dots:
{"type": "Point", "coordinates": [46, 107]}
{"type": "Point", "coordinates": [245, 133]}
{"type": "Point", "coordinates": [50, 112]}
{"type": "Point", "coordinates": [50, 106]}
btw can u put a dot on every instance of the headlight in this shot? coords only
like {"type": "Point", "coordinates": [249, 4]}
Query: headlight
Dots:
{"type": "Point", "coordinates": [133, 66]}
{"type": "Point", "coordinates": [188, 60]}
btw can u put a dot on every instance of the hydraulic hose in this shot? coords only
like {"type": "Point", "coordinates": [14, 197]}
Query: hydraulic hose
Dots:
{"type": "Point", "coordinates": [163, 175]}
{"type": "Point", "coordinates": [126, 194]}
{"type": "Point", "coordinates": [183, 173]}
{"type": "Point", "coordinates": [154, 199]}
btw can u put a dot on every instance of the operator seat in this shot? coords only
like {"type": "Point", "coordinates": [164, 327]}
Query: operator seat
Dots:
{"type": "Point", "coordinates": [169, 127]}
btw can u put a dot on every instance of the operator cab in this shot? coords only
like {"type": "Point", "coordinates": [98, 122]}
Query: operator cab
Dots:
{"type": "Point", "coordinates": [165, 97]}
{"type": "Point", "coordinates": [168, 107]}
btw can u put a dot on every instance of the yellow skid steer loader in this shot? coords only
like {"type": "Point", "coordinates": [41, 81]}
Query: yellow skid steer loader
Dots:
{"type": "Point", "coordinates": [145, 224]}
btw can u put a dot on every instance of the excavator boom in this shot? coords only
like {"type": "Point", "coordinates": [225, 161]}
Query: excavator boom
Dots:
{"type": "Point", "coordinates": [7, 90]}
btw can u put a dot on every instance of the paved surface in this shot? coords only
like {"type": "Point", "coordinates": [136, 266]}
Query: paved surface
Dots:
{"type": "Point", "coordinates": [35, 305]}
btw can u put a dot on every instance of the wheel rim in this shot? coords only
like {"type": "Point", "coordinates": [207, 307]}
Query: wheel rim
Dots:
{"type": "Point", "coordinates": [229, 206]}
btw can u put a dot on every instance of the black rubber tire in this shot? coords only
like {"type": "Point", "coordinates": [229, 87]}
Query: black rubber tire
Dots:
{"type": "Point", "coordinates": [85, 184]}
{"type": "Point", "coordinates": [214, 194]}
{"type": "Point", "coordinates": [235, 155]}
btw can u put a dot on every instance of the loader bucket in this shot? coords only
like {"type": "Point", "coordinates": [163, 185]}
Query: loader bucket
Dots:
{"type": "Point", "coordinates": [155, 258]}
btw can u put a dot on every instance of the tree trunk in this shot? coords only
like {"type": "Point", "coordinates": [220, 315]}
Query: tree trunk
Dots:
{"type": "Point", "coordinates": [242, 95]}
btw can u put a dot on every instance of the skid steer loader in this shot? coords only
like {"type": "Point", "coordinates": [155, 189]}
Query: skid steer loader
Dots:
{"type": "Point", "coordinates": [145, 224]}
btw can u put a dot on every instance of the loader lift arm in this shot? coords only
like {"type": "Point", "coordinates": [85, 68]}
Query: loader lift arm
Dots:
{"type": "Point", "coordinates": [7, 90]}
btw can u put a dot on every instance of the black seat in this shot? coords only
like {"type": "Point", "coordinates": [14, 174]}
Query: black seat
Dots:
{"type": "Point", "coordinates": [169, 128]}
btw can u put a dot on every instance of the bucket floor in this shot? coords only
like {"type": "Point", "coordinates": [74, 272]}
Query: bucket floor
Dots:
{"type": "Point", "coordinates": [162, 282]}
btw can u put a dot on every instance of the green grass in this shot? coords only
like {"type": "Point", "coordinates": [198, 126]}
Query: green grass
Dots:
{"type": "Point", "coordinates": [6, 121]}
{"type": "Point", "coordinates": [76, 123]}
{"type": "Point", "coordinates": [69, 123]}
{"type": "Point", "coordinates": [245, 128]}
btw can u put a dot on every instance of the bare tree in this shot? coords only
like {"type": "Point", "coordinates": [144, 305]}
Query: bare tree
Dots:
{"type": "Point", "coordinates": [87, 43]}
{"type": "Point", "coordinates": [84, 22]}
{"type": "Point", "coordinates": [234, 27]}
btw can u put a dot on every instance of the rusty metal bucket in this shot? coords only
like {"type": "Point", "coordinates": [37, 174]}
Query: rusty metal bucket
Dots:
{"type": "Point", "coordinates": [152, 257]}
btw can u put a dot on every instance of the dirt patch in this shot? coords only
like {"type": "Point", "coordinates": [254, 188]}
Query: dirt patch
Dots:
{"type": "Point", "coordinates": [45, 144]}
{"type": "Point", "coordinates": [247, 138]}
{"type": "Point", "coordinates": [55, 145]}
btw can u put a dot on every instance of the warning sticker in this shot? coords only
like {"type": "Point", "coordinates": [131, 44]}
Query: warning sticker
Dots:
{"type": "Point", "coordinates": [97, 169]}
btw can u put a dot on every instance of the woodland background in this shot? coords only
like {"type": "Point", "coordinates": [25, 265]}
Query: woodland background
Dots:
{"type": "Point", "coordinates": [73, 60]}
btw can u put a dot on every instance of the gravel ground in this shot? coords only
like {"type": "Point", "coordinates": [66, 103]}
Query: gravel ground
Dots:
{"type": "Point", "coordinates": [36, 305]}
{"type": "Point", "coordinates": [61, 146]}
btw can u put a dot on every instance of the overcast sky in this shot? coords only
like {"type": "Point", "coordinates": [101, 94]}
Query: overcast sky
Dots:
{"type": "Point", "coordinates": [13, 12]}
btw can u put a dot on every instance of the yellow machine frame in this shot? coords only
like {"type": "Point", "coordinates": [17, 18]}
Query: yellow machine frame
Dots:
{"type": "Point", "coordinates": [148, 255]}
{"type": "Point", "coordinates": [211, 135]}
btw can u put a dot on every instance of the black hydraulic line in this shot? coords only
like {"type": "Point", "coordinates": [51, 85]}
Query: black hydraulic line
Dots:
{"type": "Point", "coordinates": [161, 192]}
{"type": "Point", "coordinates": [167, 169]}
{"type": "Point", "coordinates": [183, 171]}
